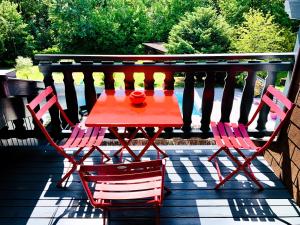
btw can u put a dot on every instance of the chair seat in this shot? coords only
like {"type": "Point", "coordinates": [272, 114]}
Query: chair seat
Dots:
{"type": "Point", "coordinates": [139, 183]}
{"type": "Point", "coordinates": [129, 189]}
{"type": "Point", "coordinates": [82, 136]}
{"type": "Point", "coordinates": [232, 135]}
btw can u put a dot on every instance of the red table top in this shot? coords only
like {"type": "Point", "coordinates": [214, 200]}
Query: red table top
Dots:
{"type": "Point", "coordinates": [114, 109]}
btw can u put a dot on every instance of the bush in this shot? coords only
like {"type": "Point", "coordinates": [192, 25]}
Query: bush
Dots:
{"type": "Point", "coordinates": [24, 67]}
{"type": "Point", "coordinates": [23, 63]}
{"type": "Point", "coordinates": [260, 34]}
{"type": "Point", "coordinates": [51, 50]}
{"type": "Point", "coordinates": [202, 31]}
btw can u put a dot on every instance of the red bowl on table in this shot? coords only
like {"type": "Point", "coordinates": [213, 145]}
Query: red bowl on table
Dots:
{"type": "Point", "coordinates": [137, 97]}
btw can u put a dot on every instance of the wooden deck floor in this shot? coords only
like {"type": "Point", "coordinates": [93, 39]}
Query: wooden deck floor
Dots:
{"type": "Point", "coordinates": [28, 194]}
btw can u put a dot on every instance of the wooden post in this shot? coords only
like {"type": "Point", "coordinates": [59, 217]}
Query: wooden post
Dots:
{"type": "Point", "coordinates": [169, 81]}
{"type": "Point", "coordinates": [228, 96]}
{"type": "Point", "coordinates": [188, 101]}
{"type": "Point", "coordinates": [129, 81]}
{"type": "Point", "coordinates": [169, 85]}
{"type": "Point", "coordinates": [149, 86]}
{"type": "Point", "coordinates": [48, 81]}
{"type": "Point", "coordinates": [4, 91]}
{"type": "Point", "coordinates": [207, 100]}
{"type": "Point", "coordinates": [71, 97]}
{"type": "Point", "coordinates": [109, 82]}
{"type": "Point", "coordinates": [247, 97]}
{"type": "Point", "coordinates": [263, 115]}
{"type": "Point", "coordinates": [149, 80]}
{"type": "Point", "coordinates": [89, 90]}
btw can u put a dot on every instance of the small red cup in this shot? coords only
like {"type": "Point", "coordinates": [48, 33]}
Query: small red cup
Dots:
{"type": "Point", "coordinates": [137, 97]}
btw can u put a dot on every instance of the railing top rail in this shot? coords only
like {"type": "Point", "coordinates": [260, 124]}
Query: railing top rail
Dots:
{"type": "Point", "coordinates": [163, 67]}
{"type": "Point", "coordinates": [230, 56]}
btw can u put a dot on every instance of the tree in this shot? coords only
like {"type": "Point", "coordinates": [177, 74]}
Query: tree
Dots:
{"type": "Point", "coordinates": [202, 31]}
{"type": "Point", "coordinates": [35, 14]}
{"type": "Point", "coordinates": [164, 14]}
{"type": "Point", "coordinates": [14, 39]}
{"type": "Point", "coordinates": [233, 11]}
{"type": "Point", "coordinates": [85, 26]}
{"type": "Point", "coordinates": [259, 33]}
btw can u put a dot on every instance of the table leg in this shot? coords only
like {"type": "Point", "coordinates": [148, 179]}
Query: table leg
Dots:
{"type": "Point", "coordinates": [128, 142]}
{"type": "Point", "coordinates": [124, 143]}
{"type": "Point", "coordinates": [150, 142]}
{"type": "Point", "coordinates": [154, 145]}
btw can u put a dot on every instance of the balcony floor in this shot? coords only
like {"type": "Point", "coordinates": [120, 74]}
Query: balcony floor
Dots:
{"type": "Point", "coordinates": [29, 196]}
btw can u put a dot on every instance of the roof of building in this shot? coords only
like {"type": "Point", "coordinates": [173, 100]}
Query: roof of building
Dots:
{"type": "Point", "coordinates": [158, 46]}
{"type": "Point", "coordinates": [292, 7]}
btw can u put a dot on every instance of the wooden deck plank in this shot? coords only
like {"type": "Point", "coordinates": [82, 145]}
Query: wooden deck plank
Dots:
{"type": "Point", "coordinates": [167, 202]}
{"type": "Point", "coordinates": [183, 169]}
{"type": "Point", "coordinates": [28, 194]}
{"type": "Point", "coordinates": [174, 177]}
{"type": "Point", "coordinates": [234, 211]}
{"type": "Point", "coordinates": [176, 194]}
{"type": "Point", "coordinates": [188, 185]}
{"type": "Point", "coordinates": [150, 221]}
{"type": "Point", "coordinates": [174, 161]}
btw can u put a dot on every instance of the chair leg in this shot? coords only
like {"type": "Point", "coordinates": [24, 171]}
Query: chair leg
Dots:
{"type": "Point", "coordinates": [102, 153]}
{"type": "Point", "coordinates": [253, 178]}
{"type": "Point", "coordinates": [78, 151]}
{"type": "Point", "coordinates": [168, 190]}
{"type": "Point", "coordinates": [121, 156]}
{"type": "Point", "coordinates": [105, 216]}
{"type": "Point", "coordinates": [157, 216]}
{"type": "Point", "coordinates": [93, 148]}
{"type": "Point", "coordinates": [67, 175]}
{"type": "Point", "coordinates": [240, 166]}
{"type": "Point", "coordinates": [215, 154]}
{"type": "Point", "coordinates": [227, 178]}
{"type": "Point", "coordinates": [218, 169]}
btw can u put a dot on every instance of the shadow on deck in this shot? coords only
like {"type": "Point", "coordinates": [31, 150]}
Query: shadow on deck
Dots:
{"type": "Point", "coordinates": [28, 194]}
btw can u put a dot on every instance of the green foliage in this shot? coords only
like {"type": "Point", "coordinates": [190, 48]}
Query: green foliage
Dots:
{"type": "Point", "coordinates": [164, 14]}
{"type": "Point", "coordinates": [24, 67]}
{"type": "Point", "coordinates": [117, 26]}
{"type": "Point", "coordinates": [89, 26]}
{"type": "Point", "coordinates": [23, 63]}
{"type": "Point", "coordinates": [14, 37]}
{"type": "Point", "coordinates": [233, 10]}
{"type": "Point", "coordinates": [35, 15]}
{"type": "Point", "coordinates": [51, 50]}
{"type": "Point", "coordinates": [121, 26]}
{"type": "Point", "coordinates": [202, 31]}
{"type": "Point", "coordinates": [259, 33]}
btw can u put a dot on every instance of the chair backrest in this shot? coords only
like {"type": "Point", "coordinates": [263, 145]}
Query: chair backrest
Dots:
{"type": "Point", "coordinates": [40, 105]}
{"type": "Point", "coordinates": [279, 105]}
{"type": "Point", "coordinates": [123, 181]}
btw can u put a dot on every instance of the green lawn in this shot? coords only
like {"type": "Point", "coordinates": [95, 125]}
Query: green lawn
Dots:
{"type": "Point", "coordinates": [33, 73]}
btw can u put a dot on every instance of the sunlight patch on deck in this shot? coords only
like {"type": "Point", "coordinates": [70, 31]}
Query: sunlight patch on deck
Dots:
{"type": "Point", "coordinates": [172, 174]}
{"type": "Point", "coordinates": [194, 175]}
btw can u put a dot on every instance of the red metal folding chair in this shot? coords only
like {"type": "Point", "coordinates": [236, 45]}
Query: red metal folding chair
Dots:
{"type": "Point", "coordinates": [232, 136]}
{"type": "Point", "coordinates": [80, 138]}
{"type": "Point", "coordinates": [123, 186]}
